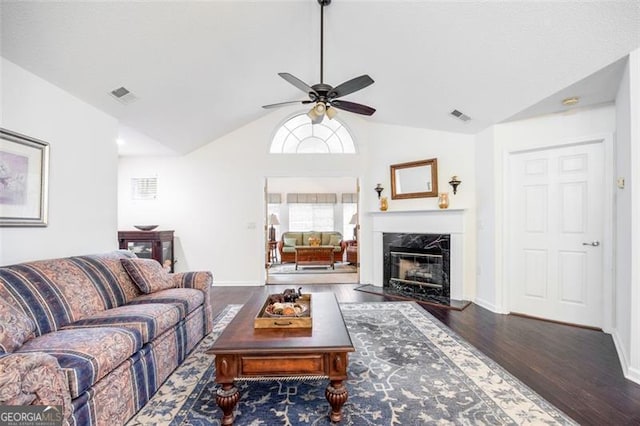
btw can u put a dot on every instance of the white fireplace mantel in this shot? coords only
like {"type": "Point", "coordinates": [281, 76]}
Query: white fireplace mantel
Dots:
{"type": "Point", "coordinates": [441, 221]}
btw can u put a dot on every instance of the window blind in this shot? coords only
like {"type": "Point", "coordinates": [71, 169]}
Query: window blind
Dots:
{"type": "Point", "coordinates": [302, 198]}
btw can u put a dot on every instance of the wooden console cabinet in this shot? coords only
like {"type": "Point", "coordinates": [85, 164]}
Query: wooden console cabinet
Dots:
{"type": "Point", "coordinates": [156, 245]}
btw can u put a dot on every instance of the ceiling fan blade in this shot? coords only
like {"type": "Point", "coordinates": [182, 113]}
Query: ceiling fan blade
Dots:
{"type": "Point", "coordinates": [279, 104]}
{"type": "Point", "coordinates": [297, 82]}
{"type": "Point", "coordinates": [350, 86]}
{"type": "Point", "coordinates": [353, 107]}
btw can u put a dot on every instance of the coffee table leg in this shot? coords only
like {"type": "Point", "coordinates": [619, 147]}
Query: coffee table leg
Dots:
{"type": "Point", "coordinates": [337, 395]}
{"type": "Point", "coordinates": [227, 397]}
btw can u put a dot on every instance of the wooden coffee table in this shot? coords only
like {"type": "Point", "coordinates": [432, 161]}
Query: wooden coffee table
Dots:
{"type": "Point", "coordinates": [314, 256]}
{"type": "Point", "coordinates": [244, 352]}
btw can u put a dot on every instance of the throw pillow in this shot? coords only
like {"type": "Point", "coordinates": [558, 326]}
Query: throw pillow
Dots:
{"type": "Point", "coordinates": [335, 240]}
{"type": "Point", "coordinates": [15, 327]}
{"type": "Point", "coordinates": [147, 274]}
{"type": "Point", "coordinates": [290, 242]}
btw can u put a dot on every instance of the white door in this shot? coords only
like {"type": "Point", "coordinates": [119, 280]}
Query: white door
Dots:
{"type": "Point", "coordinates": [556, 225]}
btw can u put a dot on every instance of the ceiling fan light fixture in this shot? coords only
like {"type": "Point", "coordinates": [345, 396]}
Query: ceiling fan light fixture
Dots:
{"type": "Point", "coordinates": [316, 113]}
{"type": "Point", "coordinates": [331, 112]}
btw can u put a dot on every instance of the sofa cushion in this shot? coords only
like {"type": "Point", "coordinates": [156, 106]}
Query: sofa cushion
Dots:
{"type": "Point", "coordinates": [148, 274]}
{"type": "Point", "coordinates": [335, 240]}
{"type": "Point", "coordinates": [53, 293]}
{"type": "Point", "coordinates": [290, 242]}
{"type": "Point", "coordinates": [15, 327]}
{"type": "Point", "coordinates": [185, 299]}
{"type": "Point", "coordinates": [109, 276]}
{"type": "Point", "coordinates": [296, 235]}
{"type": "Point", "coordinates": [307, 235]}
{"type": "Point", "coordinates": [149, 320]}
{"type": "Point", "coordinates": [326, 238]}
{"type": "Point", "coordinates": [86, 354]}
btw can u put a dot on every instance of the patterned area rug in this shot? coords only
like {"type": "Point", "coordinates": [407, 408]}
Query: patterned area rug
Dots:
{"type": "Point", "coordinates": [290, 268]}
{"type": "Point", "coordinates": [408, 369]}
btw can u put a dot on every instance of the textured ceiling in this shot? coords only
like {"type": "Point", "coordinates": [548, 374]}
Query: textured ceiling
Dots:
{"type": "Point", "coordinates": [203, 69]}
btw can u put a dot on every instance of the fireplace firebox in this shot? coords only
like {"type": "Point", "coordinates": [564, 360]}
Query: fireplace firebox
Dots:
{"type": "Point", "coordinates": [417, 266]}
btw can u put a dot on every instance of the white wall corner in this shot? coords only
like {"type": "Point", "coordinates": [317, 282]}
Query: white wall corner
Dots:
{"type": "Point", "coordinates": [488, 305]}
{"type": "Point", "coordinates": [634, 375]}
{"type": "Point", "coordinates": [634, 89]}
{"type": "Point", "coordinates": [629, 372]}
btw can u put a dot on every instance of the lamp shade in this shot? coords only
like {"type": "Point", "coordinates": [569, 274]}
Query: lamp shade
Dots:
{"type": "Point", "coordinates": [354, 219]}
{"type": "Point", "coordinates": [273, 219]}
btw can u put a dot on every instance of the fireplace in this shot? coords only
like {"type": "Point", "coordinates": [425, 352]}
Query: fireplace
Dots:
{"type": "Point", "coordinates": [440, 235]}
{"type": "Point", "coordinates": [417, 266]}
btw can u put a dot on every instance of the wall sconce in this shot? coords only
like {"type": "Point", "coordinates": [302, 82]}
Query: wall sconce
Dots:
{"type": "Point", "coordinates": [454, 182]}
{"type": "Point", "coordinates": [379, 190]}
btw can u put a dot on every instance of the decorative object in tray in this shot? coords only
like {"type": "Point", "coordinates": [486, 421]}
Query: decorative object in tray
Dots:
{"type": "Point", "coordinates": [291, 309]}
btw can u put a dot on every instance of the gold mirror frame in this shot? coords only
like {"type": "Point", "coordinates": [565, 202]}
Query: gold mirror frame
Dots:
{"type": "Point", "coordinates": [417, 179]}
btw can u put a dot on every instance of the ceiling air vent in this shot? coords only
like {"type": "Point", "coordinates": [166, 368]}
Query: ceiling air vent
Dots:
{"type": "Point", "coordinates": [460, 115]}
{"type": "Point", "coordinates": [122, 94]}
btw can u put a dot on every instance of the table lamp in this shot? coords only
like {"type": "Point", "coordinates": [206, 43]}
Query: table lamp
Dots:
{"type": "Point", "coordinates": [354, 221]}
{"type": "Point", "coordinates": [273, 220]}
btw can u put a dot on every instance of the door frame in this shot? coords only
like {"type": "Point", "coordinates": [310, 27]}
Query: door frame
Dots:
{"type": "Point", "coordinates": [265, 186]}
{"type": "Point", "coordinates": [608, 218]}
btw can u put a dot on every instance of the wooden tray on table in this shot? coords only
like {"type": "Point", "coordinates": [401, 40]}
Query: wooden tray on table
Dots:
{"type": "Point", "coordinates": [295, 314]}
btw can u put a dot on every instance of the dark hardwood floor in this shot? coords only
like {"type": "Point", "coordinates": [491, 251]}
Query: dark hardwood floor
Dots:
{"type": "Point", "coordinates": [575, 369]}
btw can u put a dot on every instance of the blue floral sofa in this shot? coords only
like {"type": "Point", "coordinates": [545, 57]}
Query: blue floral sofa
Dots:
{"type": "Point", "coordinates": [96, 334]}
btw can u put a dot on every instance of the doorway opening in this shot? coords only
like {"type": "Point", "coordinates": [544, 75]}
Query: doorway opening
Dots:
{"type": "Point", "coordinates": [311, 230]}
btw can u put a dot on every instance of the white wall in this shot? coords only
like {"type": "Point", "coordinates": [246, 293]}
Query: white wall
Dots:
{"type": "Point", "coordinates": [486, 219]}
{"type": "Point", "coordinates": [627, 224]}
{"type": "Point", "coordinates": [213, 197]}
{"type": "Point", "coordinates": [634, 88]}
{"type": "Point", "coordinates": [494, 146]}
{"type": "Point", "coordinates": [82, 170]}
{"type": "Point", "coordinates": [623, 222]}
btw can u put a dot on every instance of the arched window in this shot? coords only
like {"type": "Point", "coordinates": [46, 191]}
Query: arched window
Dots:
{"type": "Point", "coordinates": [298, 136]}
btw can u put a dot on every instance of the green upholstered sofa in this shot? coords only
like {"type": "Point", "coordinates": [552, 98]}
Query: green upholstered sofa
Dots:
{"type": "Point", "coordinates": [289, 241]}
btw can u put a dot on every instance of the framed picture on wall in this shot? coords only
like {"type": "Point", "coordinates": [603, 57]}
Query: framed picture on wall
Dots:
{"type": "Point", "coordinates": [24, 174]}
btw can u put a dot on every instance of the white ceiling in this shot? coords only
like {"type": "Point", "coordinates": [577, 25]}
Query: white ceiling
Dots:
{"type": "Point", "coordinates": [202, 69]}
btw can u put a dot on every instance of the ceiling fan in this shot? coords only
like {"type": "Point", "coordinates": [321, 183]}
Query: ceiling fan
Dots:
{"type": "Point", "coordinates": [324, 96]}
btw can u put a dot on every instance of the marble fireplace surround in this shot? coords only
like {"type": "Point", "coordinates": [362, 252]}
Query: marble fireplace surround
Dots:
{"type": "Point", "coordinates": [445, 221]}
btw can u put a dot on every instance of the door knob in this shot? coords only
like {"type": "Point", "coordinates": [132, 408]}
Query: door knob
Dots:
{"type": "Point", "coordinates": [592, 243]}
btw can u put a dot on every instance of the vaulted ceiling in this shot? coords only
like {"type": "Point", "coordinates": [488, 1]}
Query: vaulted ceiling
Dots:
{"type": "Point", "coordinates": [202, 69]}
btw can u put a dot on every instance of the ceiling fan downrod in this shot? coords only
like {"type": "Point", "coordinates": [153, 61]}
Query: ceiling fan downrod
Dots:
{"type": "Point", "coordinates": [322, 3]}
{"type": "Point", "coordinates": [324, 96]}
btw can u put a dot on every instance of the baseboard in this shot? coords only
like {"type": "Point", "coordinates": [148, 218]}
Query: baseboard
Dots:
{"type": "Point", "coordinates": [630, 373]}
{"type": "Point", "coordinates": [634, 375]}
{"type": "Point", "coordinates": [484, 304]}
{"type": "Point", "coordinates": [236, 284]}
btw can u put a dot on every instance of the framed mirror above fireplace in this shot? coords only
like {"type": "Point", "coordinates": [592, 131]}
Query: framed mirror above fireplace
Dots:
{"type": "Point", "coordinates": [416, 179]}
